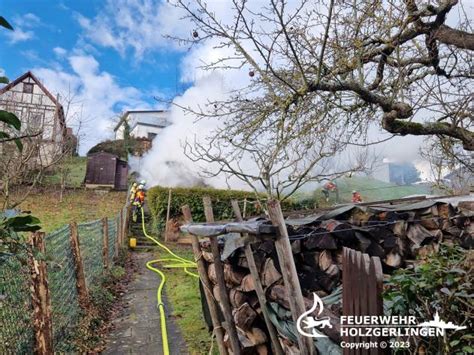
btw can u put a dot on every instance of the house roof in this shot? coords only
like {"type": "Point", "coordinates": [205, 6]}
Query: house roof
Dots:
{"type": "Point", "coordinates": [127, 113]}
{"type": "Point", "coordinates": [42, 87]}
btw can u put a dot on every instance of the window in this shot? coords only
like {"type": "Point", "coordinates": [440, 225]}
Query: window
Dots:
{"type": "Point", "coordinates": [27, 88]}
{"type": "Point", "coordinates": [151, 136]}
{"type": "Point", "coordinates": [36, 122]}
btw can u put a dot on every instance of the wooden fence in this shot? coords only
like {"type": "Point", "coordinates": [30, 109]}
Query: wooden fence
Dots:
{"type": "Point", "coordinates": [362, 286]}
{"type": "Point", "coordinates": [360, 280]}
{"type": "Point", "coordinates": [47, 284]}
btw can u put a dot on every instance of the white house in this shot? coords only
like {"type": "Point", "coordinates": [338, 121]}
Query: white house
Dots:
{"type": "Point", "coordinates": [40, 113]}
{"type": "Point", "coordinates": [142, 124]}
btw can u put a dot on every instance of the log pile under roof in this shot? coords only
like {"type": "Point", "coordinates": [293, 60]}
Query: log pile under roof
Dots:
{"type": "Point", "coordinates": [401, 235]}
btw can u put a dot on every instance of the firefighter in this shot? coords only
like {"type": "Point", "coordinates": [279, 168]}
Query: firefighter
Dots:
{"type": "Point", "coordinates": [327, 188]}
{"type": "Point", "coordinates": [138, 202]}
{"type": "Point", "coordinates": [356, 197]}
{"type": "Point", "coordinates": [140, 196]}
{"type": "Point", "coordinates": [133, 192]}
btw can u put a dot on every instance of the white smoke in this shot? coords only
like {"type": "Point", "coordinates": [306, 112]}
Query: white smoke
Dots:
{"type": "Point", "coordinates": [166, 163]}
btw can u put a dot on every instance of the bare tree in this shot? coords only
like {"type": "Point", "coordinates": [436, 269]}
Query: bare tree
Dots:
{"type": "Point", "coordinates": [343, 65]}
{"type": "Point", "coordinates": [446, 158]}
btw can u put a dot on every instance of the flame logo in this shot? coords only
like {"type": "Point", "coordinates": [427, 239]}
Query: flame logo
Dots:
{"type": "Point", "coordinates": [305, 321]}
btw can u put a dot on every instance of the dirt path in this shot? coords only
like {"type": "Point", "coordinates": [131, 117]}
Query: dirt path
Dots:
{"type": "Point", "coordinates": [137, 329]}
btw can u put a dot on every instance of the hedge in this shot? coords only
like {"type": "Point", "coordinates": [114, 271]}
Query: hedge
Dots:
{"type": "Point", "coordinates": [157, 198]}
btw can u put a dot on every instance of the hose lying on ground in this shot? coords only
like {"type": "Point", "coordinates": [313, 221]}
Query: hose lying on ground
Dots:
{"type": "Point", "coordinates": [175, 262]}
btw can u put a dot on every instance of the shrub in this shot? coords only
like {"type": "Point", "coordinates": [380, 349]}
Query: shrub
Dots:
{"type": "Point", "coordinates": [443, 284]}
{"type": "Point", "coordinates": [158, 201]}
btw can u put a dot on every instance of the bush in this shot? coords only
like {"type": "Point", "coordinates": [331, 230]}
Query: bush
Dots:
{"type": "Point", "coordinates": [443, 284]}
{"type": "Point", "coordinates": [158, 201]}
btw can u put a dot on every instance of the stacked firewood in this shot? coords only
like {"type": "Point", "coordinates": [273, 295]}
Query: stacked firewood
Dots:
{"type": "Point", "coordinates": [398, 238]}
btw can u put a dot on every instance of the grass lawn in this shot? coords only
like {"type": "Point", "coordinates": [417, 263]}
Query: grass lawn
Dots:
{"type": "Point", "coordinates": [372, 190]}
{"type": "Point", "coordinates": [182, 291]}
{"type": "Point", "coordinates": [77, 205]}
{"type": "Point", "coordinates": [75, 168]}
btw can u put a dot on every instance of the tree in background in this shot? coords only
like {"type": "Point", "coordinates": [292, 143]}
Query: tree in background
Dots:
{"type": "Point", "coordinates": [325, 72]}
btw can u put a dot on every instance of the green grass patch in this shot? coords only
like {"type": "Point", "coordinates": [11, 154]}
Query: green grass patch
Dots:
{"type": "Point", "coordinates": [74, 170]}
{"type": "Point", "coordinates": [76, 206]}
{"type": "Point", "coordinates": [182, 291]}
{"type": "Point", "coordinates": [372, 190]}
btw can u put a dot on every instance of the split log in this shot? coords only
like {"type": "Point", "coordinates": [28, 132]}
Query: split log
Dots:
{"type": "Point", "coordinates": [325, 260]}
{"type": "Point", "coordinates": [418, 235]}
{"type": "Point", "coordinates": [270, 274]}
{"type": "Point", "coordinates": [311, 258]}
{"type": "Point", "coordinates": [393, 259]}
{"type": "Point", "coordinates": [208, 256]}
{"type": "Point", "coordinates": [211, 270]}
{"type": "Point", "coordinates": [430, 223]}
{"type": "Point", "coordinates": [244, 316]}
{"type": "Point", "coordinates": [248, 340]}
{"type": "Point", "coordinates": [247, 284]}
{"type": "Point", "coordinates": [257, 336]}
{"type": "Point", "coordinates": [237, 298]}
{"type": "Point", "coordinates": [333, 271]}
{"type": "Point", "coordinates": [363, 241]}
{"type": "Point", "coordinates": [343, 232]}
{"type": "Point", "coordinates": [321, 239]}
{"type": "Point", "coordinates": [232, 276]}
{"type": "Point", "coordinates": [374, 249]}
{"type": "Point", "coordinates": [400, 228]}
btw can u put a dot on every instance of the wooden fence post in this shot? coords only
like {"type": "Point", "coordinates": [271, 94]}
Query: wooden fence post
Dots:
{"type": "Point", "coordinates": [105, 244]}
{"type": "Point", "coordinates": [258, 286]}
{"type": "Point", "coordinates": [81, 287]}
{"type": "Point", "coordinates": [290, 277]}
{"type": "Point", "coordinates": [40, 297]}
{"type": "Point", "coordinates": [362, 287]}
{"type": "Point", "coordinates": [225, 303]}
{"type": "Point", "coordinates": [204, 277]}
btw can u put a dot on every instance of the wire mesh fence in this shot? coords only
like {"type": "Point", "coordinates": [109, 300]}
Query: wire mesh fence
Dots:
{"type": "Point", "coordinates": [112, 230]}
{"type": "Point", "coordinates": [62, 286]}
{"type": "Point", "coordinates": [16, 312]}
{"type": "Point", "coordinates": [16, 326]}
{"type": "Point", "coordinates": [90, 238]}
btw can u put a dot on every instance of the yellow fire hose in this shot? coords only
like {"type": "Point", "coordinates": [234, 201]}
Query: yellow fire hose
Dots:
{"type": "Point", "coordinates": [175, 262]}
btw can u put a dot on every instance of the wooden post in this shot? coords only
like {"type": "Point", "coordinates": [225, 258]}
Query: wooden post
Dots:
{"type": "Point", "coordinates": [117, 236]}
{"type": "Point", "coordinates": [225, 303]}
{"type": "Point", "coordinates": [81, 286]}
{"type": "Point", "coordinates": [40, 297]}
{"type": "Point", "coordinates": [290, 277]}
{"type": "Point", "coordinates": [167, 215]}
{"type": "Point", "coordinates": [258, 286]}
{"type": "Point", "coordinates": [122, 228]}
{"type": "Point", "coordinates": [105, 244]}
{"type": "Point", "coordinates": [204, 278]}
